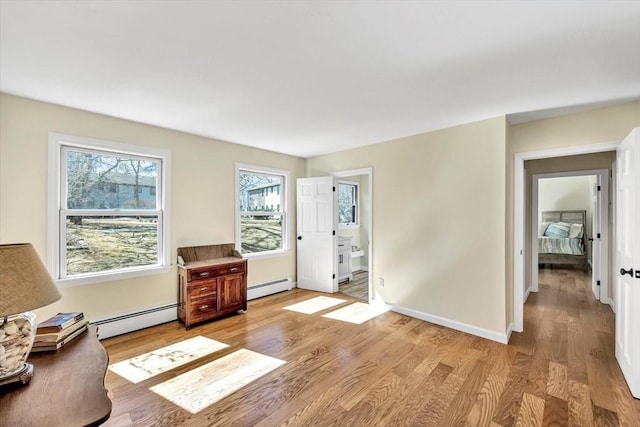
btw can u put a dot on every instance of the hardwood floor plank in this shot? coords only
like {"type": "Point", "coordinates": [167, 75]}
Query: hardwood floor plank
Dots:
{"type": "Point", "coordinates": [580, 412]}
{"type": "Point", "coordinates": [556, 412]}
{"type": "Point", "coordinates": [431, 414]}
{"type": "Point", "coordinates": [509, 404]}
{"type": "Point", "coordinates": [482, 411]}
{"type": "Point", "coordinates": [462, 403]}
{"type": "Point", "coordinates": [604, 418]}
{"type": "Point", "coordinates": [531, 411]}
{"type": "Point", "coordinates": [557, 384]}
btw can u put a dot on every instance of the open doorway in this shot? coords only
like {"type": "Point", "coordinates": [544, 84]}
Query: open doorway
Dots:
{"type": "Point", "coordinates": [569, 224]}
{"type": "Point", "coordinates": [354, 233]}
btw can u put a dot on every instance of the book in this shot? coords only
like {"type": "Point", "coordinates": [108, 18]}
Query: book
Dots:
{"type": "Point", "coordinates": [58, 345]}
{"type": "Point", "coordinates": [53, 337]}
{"type": "Point", "coordinates": [59, 322]}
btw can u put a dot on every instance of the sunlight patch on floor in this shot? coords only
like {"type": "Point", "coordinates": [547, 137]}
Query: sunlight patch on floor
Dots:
{"type": "Point", "coordinates": [357, 313]}
{"type": "Point", "coordinates": [315, 305]}
{"type": "Point", "coordinates": [140, 368]}
{"type": "Point", "coordinates": [201, 387]}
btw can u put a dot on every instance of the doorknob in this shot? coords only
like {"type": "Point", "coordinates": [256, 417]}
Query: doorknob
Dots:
{"type": "Point", "coordinates": [299, 237]}
{"type": "Point", "coordinates": [629, 272]}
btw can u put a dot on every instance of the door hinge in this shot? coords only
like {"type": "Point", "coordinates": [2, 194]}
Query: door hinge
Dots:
{"type": "Point", "coordinates": [334, 276]}
{"type": "Point", "coordinates": [598, 283]}
{"type": "Point", "coordinates": [599, 188]}
{"type": "Point", "coordinates": [334, 232]}
{"type": "Point", "coordinates": [598, 235]}
{"type": "Point", "coordinates": [334, 189]}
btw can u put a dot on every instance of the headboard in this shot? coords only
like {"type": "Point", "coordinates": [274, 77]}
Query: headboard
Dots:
{"type": "Point", "coordinates": [570, 217]}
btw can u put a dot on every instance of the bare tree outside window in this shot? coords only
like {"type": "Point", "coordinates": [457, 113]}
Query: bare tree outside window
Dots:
{"type": "Point", "coordinates": [261, 199]}
{"type": "Point", "coordinates": [111, 210]}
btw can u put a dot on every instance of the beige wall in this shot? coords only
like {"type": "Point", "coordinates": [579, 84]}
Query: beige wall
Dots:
{"type": "Point", "coordinates": [441, 201]}
{"type": "Point", "coordinates": [438, 220]}
{"type": "Point", "coordinates": [202, 197]}
{"type": "Point", "coordinates": [588, 127]}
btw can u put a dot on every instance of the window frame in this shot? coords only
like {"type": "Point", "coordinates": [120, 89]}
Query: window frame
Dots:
{"type": "Point", "coordinates": [355, 224]}
{"type": "Point", "coordinates": [58, 212]}
{"type": "Point", "coordinates": [284, 212]}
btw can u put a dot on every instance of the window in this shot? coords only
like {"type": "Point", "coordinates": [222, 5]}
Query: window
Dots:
{"type": "Point", "coordinates": [262, 204]}
{"type": "Point", "coordinates": [348, 204]}
{"type": "Point", "coordinates": [110, 210]}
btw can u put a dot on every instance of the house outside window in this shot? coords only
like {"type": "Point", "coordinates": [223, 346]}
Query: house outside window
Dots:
{"type": "Point", "coordinates": [261, 200]}
{"type": "Point", "coordinates": [110, 207]}
{"type": "Point", "coordinates": [348, 209]}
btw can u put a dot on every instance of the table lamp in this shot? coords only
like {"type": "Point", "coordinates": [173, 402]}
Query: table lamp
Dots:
{"type": "Point", "coordinates": [25, 285]}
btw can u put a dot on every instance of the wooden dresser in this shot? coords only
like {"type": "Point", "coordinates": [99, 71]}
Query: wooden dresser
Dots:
{"type": "Point", "coordinates": [211, 283]}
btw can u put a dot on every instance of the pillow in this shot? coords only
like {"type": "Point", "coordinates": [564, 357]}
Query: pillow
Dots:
{"type": "Point", "coordinates": [576, 231]}
{"type": "Point", "coordinates": [558, 229]}
{"type": "Point", "coordinates": [542, 228]}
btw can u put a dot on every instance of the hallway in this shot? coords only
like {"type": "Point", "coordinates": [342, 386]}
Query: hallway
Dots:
{"type": "Point", "coordinates": [570, 338]}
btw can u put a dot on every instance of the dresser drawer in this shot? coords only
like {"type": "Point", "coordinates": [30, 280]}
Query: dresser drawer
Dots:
{"type": "Point", "coordinates": [213, 271]}
{"type": "Point", "coordinates": [202, 289]}
{"type": "Point", "coordinates": [202, 308]}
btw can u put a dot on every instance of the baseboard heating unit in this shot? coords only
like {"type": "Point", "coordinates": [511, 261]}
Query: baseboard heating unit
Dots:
{"type": "Point", "coordinates": [264, 289]}
{"type": "Point", "coordinates": [130, 322]}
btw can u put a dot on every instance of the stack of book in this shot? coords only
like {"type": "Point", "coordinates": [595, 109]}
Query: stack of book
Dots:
{"type": "Point", "coordinates": [57, 331]}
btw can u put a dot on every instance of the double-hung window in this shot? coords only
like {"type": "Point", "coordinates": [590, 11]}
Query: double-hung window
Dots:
{"type": "Point", "coordinates": [109, 201]}
{"type": "Point", "coordinates": [348, 204]}
{"type": "Point", "coordinates": [261, 200]}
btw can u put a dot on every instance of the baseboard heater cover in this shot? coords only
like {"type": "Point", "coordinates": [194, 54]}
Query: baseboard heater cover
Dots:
{"type": "Point", "coordinates": [134, 321]}
{"type": "Point", "coordinates": [268, 288]}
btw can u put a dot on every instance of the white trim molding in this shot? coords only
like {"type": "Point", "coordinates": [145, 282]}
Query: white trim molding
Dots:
{"type": "Point", "coordinates": [519, 217]}
{"type": "Point", "coordinates": [502, 338]}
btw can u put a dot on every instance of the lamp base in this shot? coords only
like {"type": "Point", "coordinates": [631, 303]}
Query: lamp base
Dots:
{"type": "Point", "coordinates": [23, 376]}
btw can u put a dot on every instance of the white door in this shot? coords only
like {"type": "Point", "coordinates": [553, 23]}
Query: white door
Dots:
{"type": "Point", "coordinates": [595, 241]}
{"type": "Point", "coordinates": [627, 270]}
{"type": "Point", "coordinates": [317, 223]}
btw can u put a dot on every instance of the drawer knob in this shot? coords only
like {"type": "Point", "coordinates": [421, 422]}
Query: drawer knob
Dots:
{"type": "Point", "coordinates": [204, 307]}
{"type": "Point", "coordinates": [233, 270]}
{"type": "Point", "coordinates": [202, 289]}
{"type": "Point", "coordinates": [205, 274]}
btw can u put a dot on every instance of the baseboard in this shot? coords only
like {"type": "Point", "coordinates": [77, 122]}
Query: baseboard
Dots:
{"type": "Point", "coordinates": [612, 304]}
{"type": "Point", "coordinates": [526, 294]}
{"type": "Point", "coordinates": [509, 331]}
{"type": "Point", "coordinates": [129, 322]}
{"type": "Point", "coordinates": [269, 288]}
{"type": "Point", "coordinates": [502, 338]}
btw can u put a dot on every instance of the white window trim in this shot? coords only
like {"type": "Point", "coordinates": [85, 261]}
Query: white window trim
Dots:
{"type": "Point", "coordinates": [286, 212]}
{"type": "Point", "coordinates": [357, 223]}
{"type": "Point", "coordinates": [54, 246]}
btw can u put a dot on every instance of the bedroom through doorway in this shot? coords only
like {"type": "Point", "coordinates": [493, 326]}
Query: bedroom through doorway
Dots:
{"type": "Point", "coordinates": [570, 228]}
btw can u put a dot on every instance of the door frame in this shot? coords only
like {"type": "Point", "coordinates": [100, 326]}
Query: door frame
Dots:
{"type": "Point", "coordinates": [519, 203]}
{"type": "Point", "coordinates": [602, 176]}
{"type": "Point", "coordinates": [369, 172]}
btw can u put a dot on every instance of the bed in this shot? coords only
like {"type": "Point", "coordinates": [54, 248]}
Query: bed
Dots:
{"type": "Point", "coordinates": [561, 238]}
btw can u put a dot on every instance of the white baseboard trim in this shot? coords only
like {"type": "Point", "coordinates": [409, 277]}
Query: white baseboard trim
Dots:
{"type": "Point", "coordinates": [509, 331]}
{"type": "Point", "coordinates": [612, 304]}
{"type": "Point", "coordinates": [458, 326]}
{"type": "Point", "coordinates": [264, 289]}
{"type": "Point", "coordinates": [527, 293]}
{"type": "Point", "coordinates": [129, 322]}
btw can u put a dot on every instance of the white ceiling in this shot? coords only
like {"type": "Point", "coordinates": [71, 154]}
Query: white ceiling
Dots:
{"type": "Point", "coordinates": [311, 77]}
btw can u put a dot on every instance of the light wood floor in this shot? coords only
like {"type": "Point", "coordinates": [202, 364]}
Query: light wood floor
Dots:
{"type": "Point", "coordinates": [358, 287]}
{"type": "Point", "coordinates": [395, 370]}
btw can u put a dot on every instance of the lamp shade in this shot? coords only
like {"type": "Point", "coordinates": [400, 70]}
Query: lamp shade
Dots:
{"type": "Point", "coordinates": [25, 284]}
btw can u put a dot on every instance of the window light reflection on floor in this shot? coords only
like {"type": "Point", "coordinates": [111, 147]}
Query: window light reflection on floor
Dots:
{"type": "Point", "coordinates": [147, 365]}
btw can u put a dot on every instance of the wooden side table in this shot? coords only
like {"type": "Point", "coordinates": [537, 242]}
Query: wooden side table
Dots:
{"type": "Point", "coordinates": [67, 388]}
